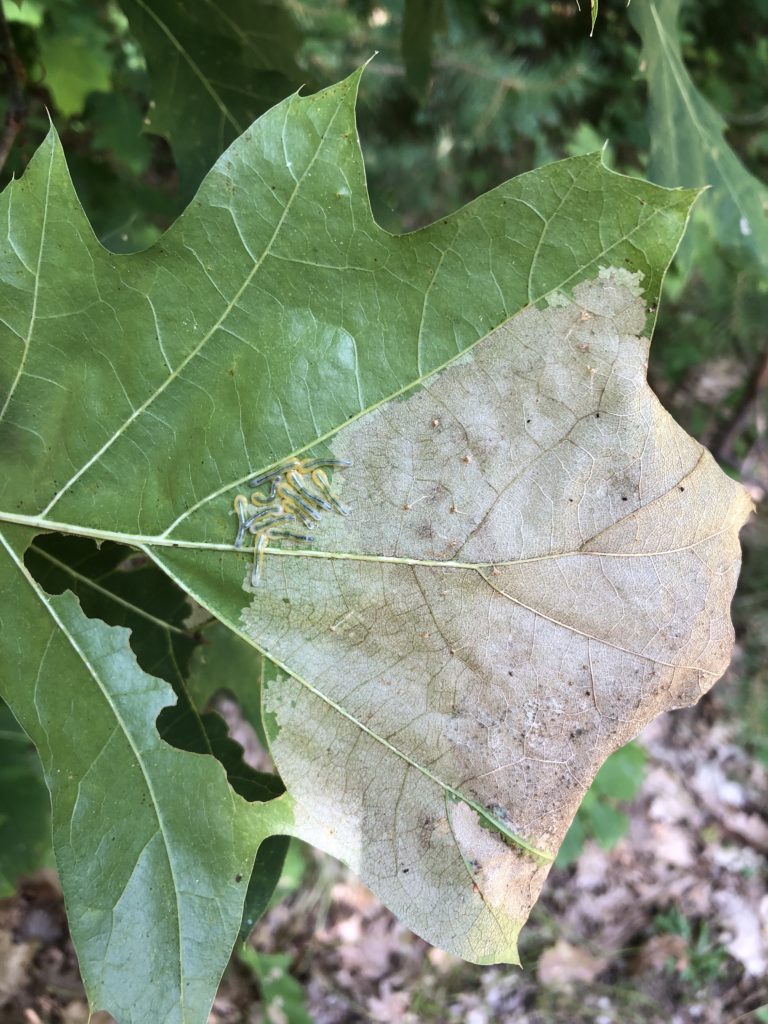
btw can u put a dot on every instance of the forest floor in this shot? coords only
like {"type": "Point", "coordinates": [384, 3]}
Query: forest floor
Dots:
{"type": "Point", "coordinates": [670, 926]}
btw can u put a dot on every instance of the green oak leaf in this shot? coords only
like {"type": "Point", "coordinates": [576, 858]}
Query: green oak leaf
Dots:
{"type": "Point", "coordinates": [117, 127]}
{"type": "Point", "coordinates": [214, 67]}
{"type": "Point", "coordinates": [154, 848]}
{"type": "Point", "coordinates": [537, 559]}
{"type": "Point", "coordinates": [25, 828]}
{"type": "Point", "coordinates": [688, 145]}
{"type": "Point", "coordinates": [24, 12]}
{"type": "Point", "coordinates": [115, 585]}
{"type": "Point", "coordinates": [74, 51]}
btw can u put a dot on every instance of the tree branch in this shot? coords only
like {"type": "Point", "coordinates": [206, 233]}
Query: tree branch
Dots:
{"type": "Point", "coordinates": [16, 114]}
{"type": "Point", "coordinates": [744, 413]}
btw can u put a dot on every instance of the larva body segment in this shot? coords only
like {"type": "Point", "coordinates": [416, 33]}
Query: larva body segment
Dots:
{"type": "Point", "coordinates": [299, 490]}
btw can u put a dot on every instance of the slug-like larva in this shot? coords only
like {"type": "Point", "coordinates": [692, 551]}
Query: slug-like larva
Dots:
{"type": "Point", "coordinates": [299, 490]}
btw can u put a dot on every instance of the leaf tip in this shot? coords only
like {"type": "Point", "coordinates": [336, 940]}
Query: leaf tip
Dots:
{"type": "Point", "coordinates": [51, 136]}
{"type": "Point", "coordinates": [506, 954]}
{"type": "Point", "coordinates": [353, 80]}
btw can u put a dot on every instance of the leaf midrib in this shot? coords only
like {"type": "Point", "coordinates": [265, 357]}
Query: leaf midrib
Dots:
{"type": "Point", "coordinates": [146, 544]}
{"type": "Point", "coordinates": [142, 540]}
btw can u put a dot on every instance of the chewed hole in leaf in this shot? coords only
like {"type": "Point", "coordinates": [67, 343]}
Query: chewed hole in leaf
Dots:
{"type": "Point", "coordinates": [110, 587]}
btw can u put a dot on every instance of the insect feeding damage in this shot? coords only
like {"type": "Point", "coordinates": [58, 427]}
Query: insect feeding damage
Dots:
{"type": "Point", "coordinates": [493, 659]}
{"type": "Point", "coordinates": [299, 490]}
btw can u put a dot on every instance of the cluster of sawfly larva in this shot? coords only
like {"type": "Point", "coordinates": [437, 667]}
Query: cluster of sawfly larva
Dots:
{"type": "Point", "coordinates": [299, 490]}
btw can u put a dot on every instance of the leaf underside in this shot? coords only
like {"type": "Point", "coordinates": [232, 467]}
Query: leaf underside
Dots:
{"type": "Point", "coordinates": [214, 67]}
{"type": "Point", "coordinates": [537, 559]}
{"type": "Point", "coordinates": [688, 145]}
{"type": "Point", "coordinates": [538, 562]}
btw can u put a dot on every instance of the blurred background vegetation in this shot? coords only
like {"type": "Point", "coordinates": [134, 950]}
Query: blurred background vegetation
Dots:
{"type": "Point", "coordinates": [461, 95]}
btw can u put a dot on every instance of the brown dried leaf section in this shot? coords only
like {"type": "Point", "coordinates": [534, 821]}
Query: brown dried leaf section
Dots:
{"type": "Point", "coordinates": [539, 561]}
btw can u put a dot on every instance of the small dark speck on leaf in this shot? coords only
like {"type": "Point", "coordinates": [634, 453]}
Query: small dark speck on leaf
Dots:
{"type": "Point", "coordinates": [587, 693]}
{"type": "Point", "coordinates": [597, 415]}
{"type": "Point", "coordinates": [286, 600]}
{"type": "Point", "coordinates": [682, 488]}
{"type": "Point", "coordinates": [238, 878]}
{"type": "Point", "coordinates": [624, 498]}
{"type": "Point", "coordinates": [406, 870]}
{"type": "Point", "coordinates": [527, 421]}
